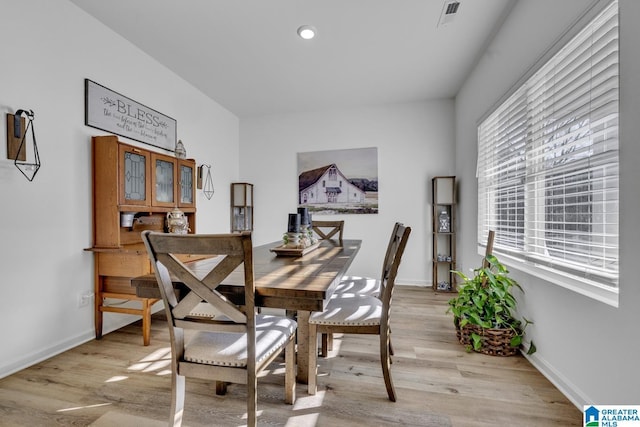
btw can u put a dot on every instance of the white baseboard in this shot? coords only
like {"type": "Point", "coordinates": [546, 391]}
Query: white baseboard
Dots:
{"type": "Point", "coordinates": [566, 387]}
{"type": "Point", "coordinates": [421, 283]}
{"type": "Point", "coordinates": [31, 359]}
{"type": "Point", "coordinates": [114, 322]}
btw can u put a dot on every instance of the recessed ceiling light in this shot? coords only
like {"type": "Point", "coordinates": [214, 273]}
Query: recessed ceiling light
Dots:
{"type": "Point", "coordinates": [307, 32]}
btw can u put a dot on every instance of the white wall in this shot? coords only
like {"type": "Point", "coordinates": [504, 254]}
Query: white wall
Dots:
{"type": "Point", "coordinates": [414, 141]}
{"type": "Point", "coordinates": [50, 48]}
{"type": "Point", "coordinates": [588, 349]}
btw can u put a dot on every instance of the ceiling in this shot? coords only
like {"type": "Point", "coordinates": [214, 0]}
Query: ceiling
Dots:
{"type": "Point", "coordinates": [247, 56]}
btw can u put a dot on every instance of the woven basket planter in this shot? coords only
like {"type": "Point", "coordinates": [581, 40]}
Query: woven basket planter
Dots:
{"type": "Point", "coordinates": [495, 342]}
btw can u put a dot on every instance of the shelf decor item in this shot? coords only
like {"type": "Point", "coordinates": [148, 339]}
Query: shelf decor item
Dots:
{"type": "Point", "coordinates": [444, 222]}
{"type": "Point", "coordinates": [177, 222]}
{"type": "Point", "coordinates": [483, 310]}
{"type": "Point", "coordinates": [181, 152]}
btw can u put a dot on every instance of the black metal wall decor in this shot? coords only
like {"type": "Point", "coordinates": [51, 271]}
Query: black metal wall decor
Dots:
{"type": "Point", "coordinates": [28, 169]}
{"type": "Point", "coordinates": [208, 182]}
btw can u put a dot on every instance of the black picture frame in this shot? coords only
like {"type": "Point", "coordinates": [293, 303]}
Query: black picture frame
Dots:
{"type": "Point", "coordinates": [113, 112]}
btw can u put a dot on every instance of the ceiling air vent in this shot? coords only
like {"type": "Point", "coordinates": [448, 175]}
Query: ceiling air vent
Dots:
{"type": "Point", "coordinates": [449, 10]}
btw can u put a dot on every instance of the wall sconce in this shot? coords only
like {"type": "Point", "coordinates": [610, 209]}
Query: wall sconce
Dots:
{"type": "Point", "coordinates": [17, 143]}
{"type": "Point", "coordinates": [208, 182]}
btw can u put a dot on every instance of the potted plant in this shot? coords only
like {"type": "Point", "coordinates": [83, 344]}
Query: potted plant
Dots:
{"type": "Point", "coordinates": [483, 311]}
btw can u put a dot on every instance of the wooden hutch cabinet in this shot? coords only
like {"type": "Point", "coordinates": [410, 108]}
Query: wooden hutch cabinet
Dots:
{"type": "Point", "coordinates": [133, 189]}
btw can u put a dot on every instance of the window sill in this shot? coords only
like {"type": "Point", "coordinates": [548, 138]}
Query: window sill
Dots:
{"type": "Point", "coordinates": [581, 286]}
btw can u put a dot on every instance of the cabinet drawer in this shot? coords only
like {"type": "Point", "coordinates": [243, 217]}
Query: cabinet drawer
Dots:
{"type": "Point", "coordinates": [123, 265]}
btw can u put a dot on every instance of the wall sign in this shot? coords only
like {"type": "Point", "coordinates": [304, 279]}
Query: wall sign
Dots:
{"type": "Point", "coordinates": [112, 112]}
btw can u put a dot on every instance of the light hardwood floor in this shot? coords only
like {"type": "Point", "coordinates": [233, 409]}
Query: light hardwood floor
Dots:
{"type": "Point", "coordinates": [117, 381]}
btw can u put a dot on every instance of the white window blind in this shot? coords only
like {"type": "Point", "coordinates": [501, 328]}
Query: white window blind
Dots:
{"type": "Point", "coordinates": [548, 161]}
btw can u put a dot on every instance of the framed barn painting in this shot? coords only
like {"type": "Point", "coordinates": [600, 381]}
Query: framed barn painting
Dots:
{"type": "Point", "coordinates": [339, 181]}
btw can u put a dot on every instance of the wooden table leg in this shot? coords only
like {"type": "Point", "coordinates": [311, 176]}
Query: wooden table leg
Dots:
{"type": "Point", "coordinates": [303, 346]}
{"type": "Point", "coordinates": [313, 362]}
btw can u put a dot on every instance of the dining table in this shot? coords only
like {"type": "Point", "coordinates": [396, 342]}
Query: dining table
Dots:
{"type": "Point", "coordinates": [299, 282]}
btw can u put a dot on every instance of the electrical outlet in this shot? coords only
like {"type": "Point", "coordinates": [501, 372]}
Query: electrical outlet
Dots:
{"type": "Point", "coordinates": [84, 299]}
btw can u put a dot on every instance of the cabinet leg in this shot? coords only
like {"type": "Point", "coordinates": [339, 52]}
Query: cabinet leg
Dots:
{"type": "Point", "coordinates": [97, 305]}
{"type": "Point", "coordinates": [98, 320]}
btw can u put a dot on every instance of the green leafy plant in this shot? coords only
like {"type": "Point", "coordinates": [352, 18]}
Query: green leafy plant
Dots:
{"type": "Point", "coordinates": [485, 300]}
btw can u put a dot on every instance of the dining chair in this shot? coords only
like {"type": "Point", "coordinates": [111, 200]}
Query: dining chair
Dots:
{"type": "Point", "coordinates": [368, 285]}
{"type": "Point", "coordinates": [350, 286]}
{"type": "Point", "coordinates": [328, 229]}
{"type": "Point", "coordinates": [234, 343]}
{"type": "Point", "coordinates": [364, 314]}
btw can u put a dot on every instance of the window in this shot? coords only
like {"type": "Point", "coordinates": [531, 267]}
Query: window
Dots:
{"type": "Point", "coordinates": [333, 174]}
{"type": "Point", "coordinates": [548, 166]}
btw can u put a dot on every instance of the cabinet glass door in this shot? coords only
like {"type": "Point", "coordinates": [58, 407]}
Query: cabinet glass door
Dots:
{"type": "Point", "coordinates": [186, 185]}
{"type": "Point", "coordinates": [164, 168]}
{"type": "Point", "coordinates": [134, 176]}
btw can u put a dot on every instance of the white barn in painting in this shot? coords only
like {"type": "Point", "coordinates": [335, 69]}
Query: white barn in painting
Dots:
{"type": "Point", "coordinates": [327, 185]}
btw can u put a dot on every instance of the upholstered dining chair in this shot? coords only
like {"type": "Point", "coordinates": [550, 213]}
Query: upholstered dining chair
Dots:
{"type": "Point", "coordinates": [328, 229]}
{"type": "Point", "coordinates": [363, 314]}
{"type": "Point", "coordinates": [350, 286]}
{"type": "Point", "coordinates": [358, 285]}
{"type": "Point", "coordinates": [235, 343]}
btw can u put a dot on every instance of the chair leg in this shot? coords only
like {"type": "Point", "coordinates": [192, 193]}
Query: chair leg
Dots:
{"type": "Point", "coordinates": [326, 344]}
{"type": "Point", "coordinates": [385, 360]}
{"type": "Point", "coordinates": [252, 399]}
{"type": "Point", "coordinates": [313, 359]}
{"type": "Point", "coordinates": [177, 400]}
{"type": "Point", "coordinates": [221, 388]}
{"type": "Point", "coordinates": [290, 372]}
{"type": "Point", "coordinates": [146, 321]}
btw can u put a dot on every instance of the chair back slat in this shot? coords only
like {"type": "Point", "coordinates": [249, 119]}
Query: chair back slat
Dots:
{"type": "Point", "coordinates": [186, 305]}
{"type": "Point", "coordinates": [204, 292]}
{"type": "Point", "coordinates": [233, 251]}
{"type": "Point", "coordinates": [328, 229]}
{"type": "Point", "coordinates": [224, 268]}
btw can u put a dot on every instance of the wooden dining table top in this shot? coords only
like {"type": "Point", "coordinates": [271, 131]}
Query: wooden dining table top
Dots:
{"type": "Point", "coordinates": [289, 282]}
